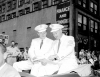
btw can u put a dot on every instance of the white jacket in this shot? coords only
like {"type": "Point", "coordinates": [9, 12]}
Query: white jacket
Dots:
{"type": "Point", "coordinates": [35, 51]}
{"type": "Point", "coordinates": [66, 54]}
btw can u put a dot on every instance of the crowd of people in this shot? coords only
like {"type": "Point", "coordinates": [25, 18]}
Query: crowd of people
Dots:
{"type": "Point", "coordinates": [48, 57]}
{"type": "Point", "coordinates": [86, 57]}
{"type": "Point", "coordinates": [90, 57]}
{"type": "Point", "coordinates": [14, 53]}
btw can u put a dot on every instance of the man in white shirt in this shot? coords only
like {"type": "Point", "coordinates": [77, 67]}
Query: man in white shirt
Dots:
{"type": "Point", "coordinates": [13, 52]}
{"type": "Point", "coordinates": [5, 69]}
{"type": "Point", "coordinates": [63, 57]}
{"type": "Point", "coordinates": [37, 53]}
{"type": "Point", "coordinates": [63, 47]}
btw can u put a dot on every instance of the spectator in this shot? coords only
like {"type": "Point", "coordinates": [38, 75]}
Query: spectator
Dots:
{"type": "Point", "coordinates": [5, 69]}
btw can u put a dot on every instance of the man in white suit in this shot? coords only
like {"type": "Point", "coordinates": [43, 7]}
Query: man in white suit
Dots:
{"type": "Point", "coordinates": [64, 53]}
{"type": "Point", "coordinates": [37, 53]}
{"type": "Point", "coordinates": [13, 53]}
{"type": "Point", "coordinates": [5, 69]}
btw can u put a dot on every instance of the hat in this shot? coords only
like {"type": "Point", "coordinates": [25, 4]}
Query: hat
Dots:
{"type": "Point", "coordinates": [41, 28]}
{"type": "Point", "coordinates": [55, 27]}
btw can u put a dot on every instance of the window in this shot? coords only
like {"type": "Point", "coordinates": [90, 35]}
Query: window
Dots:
{"type": "Point", "coordinates": [0, 9]}
{"type": "Point", "coordinates": [96, 27]}
{"type": "Point", "coordinates": [3, 7]}
{"type": "Point", "coordinates": [91, 26]}
{"type": "Point", "coordinates": [79, 20]}
{"type": "Point", "coordinates": [27, 1]}
{"type": "Point", "coordinates": [36, 6]}
{"type": "Point", "coordinates": [44, 3]}
{"type": "Point", "coordinates": [93, 7]}
{"type": "Point", "coordinates": [9, 6]}
{"type": "Point", "coordinates": [14, 15]}
{"type": "Point", "coordinates": [21, 12]}
{"type": "Point", "coordinates": [8, 17]}
{"type": "Point", "coordinates": [14, 4]}
{"type": "Point", "coordinates": [79, 2]}
{"type": "Point", "coordinates": [21, 3]}
{"type": "Point", "coordinates": [3, 17]}
{"type": "Point", "coordinates": [82, 3]}
{"type": "Point", "coordinates": [82, 24]}
{"type": "Point", "coordinates": [64, 1]}
{"type": "Point", "coordinates": [54, 2]}
{"type": "Point", "coordinates": [27, 10]}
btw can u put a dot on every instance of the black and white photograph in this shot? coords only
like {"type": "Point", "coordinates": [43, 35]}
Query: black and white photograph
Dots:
{"type": "Point", "coordinates": [49, 38]}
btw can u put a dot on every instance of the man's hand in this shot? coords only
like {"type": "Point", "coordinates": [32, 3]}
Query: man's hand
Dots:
{"type": "Point", "coordinates": [43, 62]}
{"type": "Point", "coordinates": [34, 58]}
{"type": "Point", "coordinates": [53, 57]}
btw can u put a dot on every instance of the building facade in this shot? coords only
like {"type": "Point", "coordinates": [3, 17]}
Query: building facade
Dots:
{"type": "Point", "coordinates": [81, 19]}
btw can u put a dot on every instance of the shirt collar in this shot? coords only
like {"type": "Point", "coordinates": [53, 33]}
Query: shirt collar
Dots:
{"type": "Point", "coordinates": [44, 39]}
{"type": "Point", "coordinates": [61, 39]}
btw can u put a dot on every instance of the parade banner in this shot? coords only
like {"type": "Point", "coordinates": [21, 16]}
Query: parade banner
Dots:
{"type": "Point", "coordinates": [62, 16]}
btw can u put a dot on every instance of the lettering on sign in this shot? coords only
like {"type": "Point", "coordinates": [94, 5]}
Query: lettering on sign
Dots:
{"type": "Point", "coordinates": [62, 16]}
{"type": "Point", "coordinates": [63, 9]}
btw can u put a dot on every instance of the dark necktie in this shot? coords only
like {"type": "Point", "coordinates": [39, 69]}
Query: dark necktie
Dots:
{"type": "Point", "coordinates": [41, 44]}
{"type": "Point", "coordinates": [58, 45]}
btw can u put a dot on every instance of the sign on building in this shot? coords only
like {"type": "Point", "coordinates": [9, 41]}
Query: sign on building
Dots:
{"type": "Point", "coordinates": [62, 16]}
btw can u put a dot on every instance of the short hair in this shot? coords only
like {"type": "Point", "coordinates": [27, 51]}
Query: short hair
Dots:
{"type": "Point", "coordinates": [16, 44]}
{"type": "Point", "coordinates": [3, 48]}
{"type": "Point", "coordinates": [12, 41]}
{"type": "Point", "coordinates": [48, 23]}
